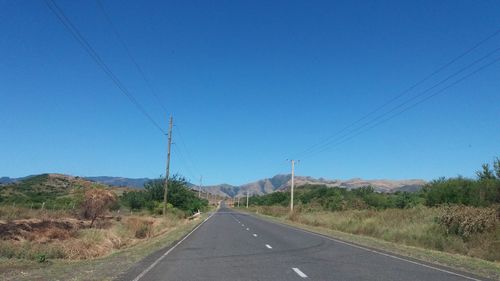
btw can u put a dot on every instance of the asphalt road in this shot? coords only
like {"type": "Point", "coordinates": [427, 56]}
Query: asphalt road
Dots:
{"type": "Point", "coordinates": [236, 246]}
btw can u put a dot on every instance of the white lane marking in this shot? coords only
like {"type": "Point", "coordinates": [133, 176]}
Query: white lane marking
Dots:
{"type": "Point", "coordinates": [254, 235]}
{"type": "Point", "coordinates": [242, 225]}
{"type": "Point", "coordinates": [169, 250]}
{"type": "Point", "coordinates": [236, 219]}
{"type": "Point", "coordinates": [269, 246]}
{"type": "Point", "coordinates": [300, 273]}
{"type": "Point", "coordinates": [248, 228]}
{"type": "Point", "coordinates": [377, 252]}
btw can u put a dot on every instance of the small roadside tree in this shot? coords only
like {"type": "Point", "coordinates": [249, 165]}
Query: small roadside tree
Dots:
{"type": "Point", "coordinates": [96, 202]}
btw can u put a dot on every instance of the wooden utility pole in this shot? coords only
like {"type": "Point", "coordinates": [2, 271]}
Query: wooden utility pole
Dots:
{"type": "Point", "coordinates": [199, 187]}
{"type": "Point", "coordinates": [247, 198]}
{"type": "Point", "coordinates": [165, 187]}
{"type": "Point", "coordinates": [291, 191]}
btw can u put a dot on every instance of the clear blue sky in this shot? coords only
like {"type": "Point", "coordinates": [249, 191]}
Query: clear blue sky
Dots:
{"type": "Point", "coordinates": [250, 84]}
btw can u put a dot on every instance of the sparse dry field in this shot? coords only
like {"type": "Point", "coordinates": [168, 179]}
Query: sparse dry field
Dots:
{"type": "Point", "coordinates": [54, 242]}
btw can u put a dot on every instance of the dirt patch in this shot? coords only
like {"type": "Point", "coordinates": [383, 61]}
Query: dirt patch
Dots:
{"type": "Point", "coordinates": [40, 230]}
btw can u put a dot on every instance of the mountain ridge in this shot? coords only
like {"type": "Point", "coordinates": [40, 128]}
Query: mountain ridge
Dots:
{"type": "Point", "coordinates": [280, 182]}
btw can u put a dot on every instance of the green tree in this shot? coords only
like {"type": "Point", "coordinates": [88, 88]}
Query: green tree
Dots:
{"type": "Point", "coordinates": [154, 188]}
{"type": "Point", "coordinates": [135, 200]}
{"type": "Point", "coordinates": [496, 167]}
{"type": "Point", "coordinates": [486, 173]}
{"type": "Point", "coordinates": [178, 194]}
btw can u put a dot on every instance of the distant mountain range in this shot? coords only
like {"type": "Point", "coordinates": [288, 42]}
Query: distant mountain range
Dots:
{"type": "Point", "coordinates": [283, 182]}
{"type": "Point", "coordinates": [265, 186]}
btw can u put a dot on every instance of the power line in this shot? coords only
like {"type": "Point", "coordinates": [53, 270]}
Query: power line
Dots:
{"type": "Point", "coordinates": [131, 57]}
{"type": "Point", "coordinates": [403, 93]}
{"type": "Point", "coordinates": [407, 101]}
{"type": "Point", "coordinates": [97, 59]}
{"type": "Point", "coordinates": [189, 163]}
{"type": "Point", "coordinates": [186, 165]}
{"type": "Point", "coordinates": [189, 159]}
{"type": "Point", "coordinates": [410, 106]}
{"type": "Point", "coordinates": [188, 154]}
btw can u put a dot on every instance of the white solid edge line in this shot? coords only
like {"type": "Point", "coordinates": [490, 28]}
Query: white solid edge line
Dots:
{"type": "Point", "coordinates": [169, 250]}
{"type": "Point", "coordinates": [300, 273]}
{"type": "Point", "coordinates": [381, 253]}
{"type": "Point", "coordinates": [269, 246]}
{"type": "Point", "coordinates": [255, 235]}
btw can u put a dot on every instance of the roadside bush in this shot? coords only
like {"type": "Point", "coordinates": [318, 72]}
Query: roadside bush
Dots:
{"type": "Point", "coordinates": [135, 200]}
{"type": "Point", "coordinates": [143, 231]}
{"type": "Point", "coordinates": [96, 203]}
{"type": "Point", "coordinates": [141, 228]}
{"type": "Point", "coordinates": [156, 207]}
{"type": "Point", "coordinates": [41, 258]}
{"type": "Point", "coordinates": [466, 221]}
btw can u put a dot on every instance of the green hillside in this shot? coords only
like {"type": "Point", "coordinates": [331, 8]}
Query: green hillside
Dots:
{"type": "Point", "coordinates": [53, 191]}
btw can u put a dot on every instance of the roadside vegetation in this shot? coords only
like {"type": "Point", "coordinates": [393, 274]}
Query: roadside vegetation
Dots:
{"type": "Point", "coordinates": [52, 217]}
{"type": "Point", "coordinates": [180, 198]}
{"type": "Point", "coordinates": [455, 215]}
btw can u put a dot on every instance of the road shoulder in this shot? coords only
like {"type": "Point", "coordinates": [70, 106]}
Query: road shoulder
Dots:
{"type": "Point", "coordinates": [460, 263]}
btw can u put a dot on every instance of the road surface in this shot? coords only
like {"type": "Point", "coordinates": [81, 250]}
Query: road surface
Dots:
{"type": "Point", "coordinates": [234, 246]}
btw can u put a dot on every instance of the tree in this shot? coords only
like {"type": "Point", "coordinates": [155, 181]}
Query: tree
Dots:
{"type": "Point", "coordinates": [155, 188]}
{"type": "Point", "coordinates": [135, 200]}
{"type": "Point", "coordinates": [97, 201]}
{"type": "Point", "coordinates": [178, 194]}
{"type": "Point", "coordinates": [486, 173]}
{"type": "Point", "coordinates": [496, 167]}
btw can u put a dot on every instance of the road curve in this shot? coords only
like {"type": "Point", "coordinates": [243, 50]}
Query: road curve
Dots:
{"type": "Point", "coordinates": [234, 246]}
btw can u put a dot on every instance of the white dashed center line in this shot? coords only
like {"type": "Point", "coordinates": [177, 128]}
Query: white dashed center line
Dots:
{"type": "Point", "coordinates": [254, 235]}
{"type": "Point", "coordinates": [269, 246]}
{"type": "Point", "coordinates": [300, 273]}
{"type": "Point", "coordinates": [248, 228]}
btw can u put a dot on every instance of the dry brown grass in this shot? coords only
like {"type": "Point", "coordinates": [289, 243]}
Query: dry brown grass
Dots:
{"type": "Point", "coordinates": [465, 221]}
{"type": "Point", "coordinates": [140, 227]}
{"type": "Point", "coordinates": [8, 213]}
{"type": "Point", "coordinates": [417, 227]}
{"type": "Point", "coordinates": [54, 236]}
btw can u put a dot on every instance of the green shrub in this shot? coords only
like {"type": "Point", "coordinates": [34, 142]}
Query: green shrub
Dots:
{"type": "Point", "coordinates": [41, 258]}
